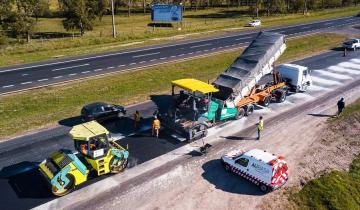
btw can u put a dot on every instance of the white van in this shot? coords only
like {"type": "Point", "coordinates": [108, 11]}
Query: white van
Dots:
{"type": "Point", "coordinates": [264, 169]}
{"type": "Point", "coordinates": [298, 77]}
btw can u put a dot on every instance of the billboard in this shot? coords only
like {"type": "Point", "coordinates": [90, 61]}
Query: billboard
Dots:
{"type": "Point", "coordinates": [166, 13]}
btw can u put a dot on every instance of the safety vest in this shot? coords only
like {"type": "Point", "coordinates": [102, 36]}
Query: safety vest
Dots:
{"type": "Point", "coordinates": [261, 125]}
{"type": "Point", "coordinates": [156, 124]}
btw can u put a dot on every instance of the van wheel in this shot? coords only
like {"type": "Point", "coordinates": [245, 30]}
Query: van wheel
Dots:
{"type": "Point", "coordinates": [264, 188]}
{"type": "Point", "coordinates": [280, 96]}
{"type": "Point", "coordinates": [266, 101]}
{"type": "Point", "coordinates": [240, 114]}
{"type": "Point", "coordinates": [249, 110]}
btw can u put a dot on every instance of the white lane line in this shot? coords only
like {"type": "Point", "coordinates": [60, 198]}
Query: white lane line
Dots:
{"type": "Point", "coordinates": [247, 37]}
{"type": "Point", "coordinates": [85, 72]}
{"type": "Point", "coordinates": [206, 50]}
{"type": "Point", "coordinates": [7, 86]}
{"type": "Point", "coordinates": [121, 65]}
{"type": "Point", "coordinates": [24, 75]}
{"type": "Point", "coordinates": [139, 56]}
{"type": "Point", "coordinates": [173, 56]}
{"type": "Point", "coordinates": [110, 67]}
{"type": "Point", "coordinates": [203, 45]}
{"type": "Point", "coordinates": [70, 75]}
{"type": "Point", "coordinates": [181, 55]}
{"type": "Point", "coordinates": [42, 80]}
{"type": "Point", "coordinates": [25, 83]}
{"type": "Point", "coordinates": [163, 58]}
{"type": "Point", "coordinates": [132, 64]}
{"type": "Point", "coordinates": [142, 62]}
{"type": "Point", "coordinates": [96, 70]}
{"type": "Point", "coordinates": [199, 51]}
{"type": "Point", "coordinates": [153, 60]}
{"type": "Point", "coordinates": [71, 67]}
{"type": "Point", "coordinates": [57, 77]}
{"type": "Point", "coordinates": [190, 53]}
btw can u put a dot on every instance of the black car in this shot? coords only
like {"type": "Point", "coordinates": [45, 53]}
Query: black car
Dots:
{"type": "Point", "coordinates": [101, 111]}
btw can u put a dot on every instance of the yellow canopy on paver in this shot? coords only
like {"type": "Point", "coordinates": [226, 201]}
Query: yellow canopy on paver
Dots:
{"type": "Point", "coordinates": [194, 85]}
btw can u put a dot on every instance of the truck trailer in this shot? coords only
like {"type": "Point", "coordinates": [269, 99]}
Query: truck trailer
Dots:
{"type": "Point", "coordinates": [198, 106]}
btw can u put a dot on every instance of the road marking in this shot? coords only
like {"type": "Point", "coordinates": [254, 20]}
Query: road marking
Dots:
{"type": "Point", "coordinates": [325, 81]}
{"type": "Point", "coordinates": [190, 53]}
{"type": "Point", "coordinates": [350, 65]}
{"type": "Point", "coordinates": [42, 80]}
{"type": "Point", "coordinates": [142, 62]}
{"type": "Point", "coordinates": [7, 86]}
{"type": "Point", "coordinates": [24, 75]}
{"type": "Point", "coordinates": [139, 56]}
{"type": "Point", "coordinates": [71, 67]}
{"type": "Point", "coordinates": [331, 74]}
{"type": "Point", "coordinates": [203, 45]}
{"type": "Point", "coordinates": [72, 74]}
{"type": "Point", "coordinates": [25, 83]}
{"type": "Point", "coordinates": [173, 56]}
{"type": "Point", "coordinates": [344, 70]}
{"type": "Point", "coordinates": [121, 65]}
{"type": "Point", "coordinates": [199, 51]}
{"type": "Point", "coordinates": [110, 67]}
{"type": "Point", "coordinates": [163, 58]}
{"type": "Point", "coordinates": [57, 77]}
{"type": "Point", "coordinates": [132, 64]}
{"type": "Point", "coordinates": [85, 72]}
{"type": "Point", "coordinates": [153, 60]}
{"type": "Point", "coordinates": [181, 55]}
{"type": "Point", "coordinates": [247, 37]}
{"type": "Point", "coordinates": [96, 70]}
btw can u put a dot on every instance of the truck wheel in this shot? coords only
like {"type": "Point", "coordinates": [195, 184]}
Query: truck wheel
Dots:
{"type": "Point", "coordinates": [249, 110]}
{"type": "Point", "coordinates": [264, 188]}
{"type": "Point", "coordinates": [240, 114]}
{"type": "Point", "coordinates": [117, 167]}
{"type": "Point", "coordinates": [266, 101]}
{"type": "Point", "coordinates": [280, 96]}
{"type": "Point", "coordinates": [67, 189]}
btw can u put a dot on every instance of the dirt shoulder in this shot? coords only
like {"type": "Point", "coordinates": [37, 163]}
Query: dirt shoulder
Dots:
{"type": "Point", "coordinates": [202, 183]}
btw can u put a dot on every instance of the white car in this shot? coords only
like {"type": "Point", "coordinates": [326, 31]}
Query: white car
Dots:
{"type": "Point", "coordinates": [255, 23]}
{"type": "Point", "coordinates": [264, 169]}
{"type": "Point", "coordinates": [352, 44]}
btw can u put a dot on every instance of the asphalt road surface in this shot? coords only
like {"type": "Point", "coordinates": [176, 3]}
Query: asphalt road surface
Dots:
{"type": "Point", "coordinates": [21, 187]}
{"type": "Point", "coordinates": [23, 77]}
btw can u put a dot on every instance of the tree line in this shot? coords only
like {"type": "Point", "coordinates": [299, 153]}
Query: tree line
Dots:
{"type": "Point", "coordinates": [18, 17]}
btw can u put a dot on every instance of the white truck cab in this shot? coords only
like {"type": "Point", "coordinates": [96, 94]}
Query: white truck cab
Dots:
{"type": "Point", "coordinates": [297, 77]}
{"type": "Point", "coordinates": [264, 169]}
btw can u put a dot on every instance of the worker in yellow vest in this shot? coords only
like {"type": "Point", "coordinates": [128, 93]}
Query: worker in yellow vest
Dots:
{"type": "Point", "coordinates": [137, 119]}
{"type": "Point", "coordinates": [156, 127]}
{"type": "Point", "coordinates": [260, 127]}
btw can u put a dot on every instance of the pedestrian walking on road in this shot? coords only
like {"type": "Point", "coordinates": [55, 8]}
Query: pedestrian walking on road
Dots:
{"type": "Point", "coordinates": [137, 120]}
{"type": "Point", "coordinates": [156, 127]}
{"type": "Point", "coordinates": [260, 127]}
{"type": "Point", "coordinates": [341, 106]}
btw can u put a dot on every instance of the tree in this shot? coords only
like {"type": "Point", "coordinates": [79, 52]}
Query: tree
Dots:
{"type": "Point", "coordinates": [42, 9]}
{"type": "Point", "coordinates": [5, 9]}
{"type": "Point", "coordinates": [102, 7]}
{"type": "Point", "coordinates": [19, 20]}
{"type": "Point", "coordinates": [79, 14]}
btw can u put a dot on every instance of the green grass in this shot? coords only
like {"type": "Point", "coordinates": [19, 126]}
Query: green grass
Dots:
{"type": "Point", "coordinates": [44, 106]}
{"type": "Point", "coordinates": [135, 29]}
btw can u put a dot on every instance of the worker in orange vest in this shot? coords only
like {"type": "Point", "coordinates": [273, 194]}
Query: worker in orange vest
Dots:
{"type": "Point", "coordinates": [137, 120]}
{"type": "Point", "coordinates": [156, 127]}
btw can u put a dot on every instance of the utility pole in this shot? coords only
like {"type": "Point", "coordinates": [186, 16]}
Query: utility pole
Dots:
{"type": "Point", "coordinates": [113, 18]}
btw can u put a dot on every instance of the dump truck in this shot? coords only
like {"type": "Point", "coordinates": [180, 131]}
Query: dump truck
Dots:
{"type": "Point", "coordinates": [198, 106]}
{"type": "Point", "coordinates": [96, 154]}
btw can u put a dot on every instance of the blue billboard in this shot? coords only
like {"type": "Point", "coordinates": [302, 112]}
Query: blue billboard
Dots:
{"type": "Point", "coordinates": [166, 13]}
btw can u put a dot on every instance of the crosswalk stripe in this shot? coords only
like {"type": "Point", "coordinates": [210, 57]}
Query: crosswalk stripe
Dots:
{"type": "Point", "coordinates": [344, 70]}
{"type": "Point", "coordinates": [350, 65]}
{"type": "Point", "coordinates": [330, 74]}
{"type": "Point", "coordinates": [325, 81]}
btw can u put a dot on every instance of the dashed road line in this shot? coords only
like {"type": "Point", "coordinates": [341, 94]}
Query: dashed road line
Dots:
{"type": "Point", "coordinates": [42, 80]}
{"type": "Point", "coordinates": [142, 62]}
{"type": "Point", "coordinates": [139, 56]}
{"type": "Point", "coordinates": [110, 67]}
{"type": "Point", "coordinates": [58, 77]}
{"type": "Point", "coordinates": [96, 70]}
{"type": "Point", "coordinates": [8, 86]}
{"type": "Point", "coordinates": [190, 53]}
{"type": "Point", "coordinates": [173, 56]}
{"type": "Point", "coordinates": [85, 72]}
{"type": "Point", "coordinates": [247, 37]}
{"type": "Point", "coordinates": [122, 65]}
{"type": "Point", "coordinates": [71, 67]}
{"type": "Point", "coordinates": [163, 58]}
{"type": "Point", "coordinates": [153, 60]}
{"type": "Point", "coordinates": [24, 75]}
{"type": "Point", "coordinates": [181, 55]}
{"type": "Point", "coordinates": [132, 64]}
{"type": "Point", "coordinates": [25, 83]}
{"type": "Point", "coordinates": [203, 45]}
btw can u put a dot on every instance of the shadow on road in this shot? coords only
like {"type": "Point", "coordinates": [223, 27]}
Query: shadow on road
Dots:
{"type": "Point", "coordinates": [25, 180]}
{"type": "Point", "coordinates": [215, 173]}
{"type": "Point", "coordinates": [71, 121]}
{"type": "Point", "coordinates": [238, 138]}
{"type": "Point", "coordinates": [323, 115]}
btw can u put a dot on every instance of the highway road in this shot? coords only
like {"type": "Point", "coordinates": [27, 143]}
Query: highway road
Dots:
{"type": "Point", "coordinates": [21, 186]}
{"type": "Point", "coordinates": [28, 76]}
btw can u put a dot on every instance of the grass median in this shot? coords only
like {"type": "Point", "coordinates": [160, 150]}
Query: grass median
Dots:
{"type": "Point", "coordinates": [134, 32]}
{"type": "Point", "coordinates": [46, 106]}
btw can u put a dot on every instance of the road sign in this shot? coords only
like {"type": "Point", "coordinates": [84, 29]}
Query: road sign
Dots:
{"type": "Point", "coordinates": [166, 13]}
